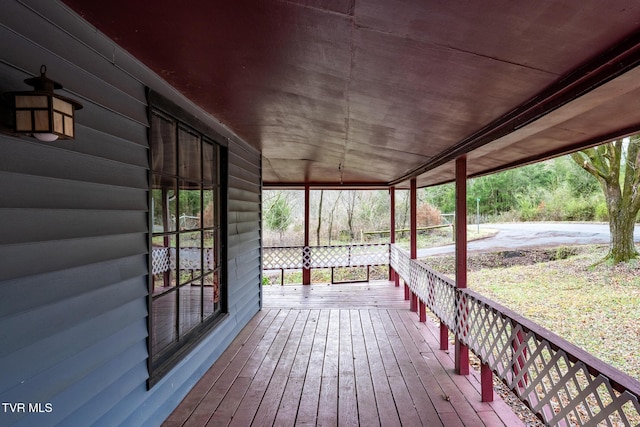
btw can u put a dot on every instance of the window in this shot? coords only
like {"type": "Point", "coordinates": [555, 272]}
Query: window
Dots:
{"type": "Point", "coordinates": [187, 292]}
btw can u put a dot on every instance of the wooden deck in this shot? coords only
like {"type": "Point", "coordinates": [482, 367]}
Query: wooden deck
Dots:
{"type": "Point", "coordinates": [349, 354]}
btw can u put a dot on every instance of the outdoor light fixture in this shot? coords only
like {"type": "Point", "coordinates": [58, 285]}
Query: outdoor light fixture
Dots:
{"type": "Point", "coordinates": [41, 113]}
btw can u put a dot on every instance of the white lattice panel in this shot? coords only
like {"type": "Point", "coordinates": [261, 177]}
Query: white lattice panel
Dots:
{"type": "Point", "coordinates": [164, 259]}
{"type": "Point", "coordinates": [393, 256]}
{"type": "Point", "coordinates": [559, 387]}
{"type": "Point", "coordinates": [325, 256]}
{"type": "Point", "coordinates": [209, 259]}
{"type": "Point", "coordinates": [190, 259]}
{"type": "Point", "coordinates": [283, 258]}
{"type": "Point", "coordinates": [403, 265]}
{"type": "Point", "coordinates": [436, 291]}
{"type": "Point", "coordinates": [160, 261]}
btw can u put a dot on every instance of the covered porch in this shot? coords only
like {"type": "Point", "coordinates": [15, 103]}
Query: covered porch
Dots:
{"type": "Point", "coordinates": [370, 354]}
{"type": "Point", "coordinates": [294, 95]}
{"type": "Point", "coordinates": [344, 354]}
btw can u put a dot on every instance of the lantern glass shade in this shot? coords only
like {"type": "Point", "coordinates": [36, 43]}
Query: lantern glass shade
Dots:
{"type": "Point", "coordinates": [48, 114]}
{"type": "Point", "coordinates": [41, 112]}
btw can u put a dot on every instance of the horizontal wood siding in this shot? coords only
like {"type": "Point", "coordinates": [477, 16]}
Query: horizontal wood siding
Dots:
{"type": "Point", "coordinates": [74, 235]}
{"type": "Point", "coordinates": [244, 235]}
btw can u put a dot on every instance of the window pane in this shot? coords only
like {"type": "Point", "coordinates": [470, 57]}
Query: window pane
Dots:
{"type": "Point", "coordinates": [185, 225]}
{"type": "Point", "coordinates": [190, 206]}
{"type": "Point", "coordinates": [211, 294]}
{"type": "Point", "coordinates": [163, 145]}
{"type": "Point", "coordinates": [209, 203]}
{"type": "Point", "coordinates": [190, 311]}
{"type": "Point", "coordinates": [210, 259]}
{"type": "Point", "coordinates": [163, 203]}
{"type": "Point", "coordinates": [190, 256]}
{"type": "Point", "coordinates": [210, 166]}
{"type": "Point", "coordinates": [164, 322]}
{"type": "Point", "coordinates": [163, 263]}
{"type": "Point", "coordinates": [190, 157]}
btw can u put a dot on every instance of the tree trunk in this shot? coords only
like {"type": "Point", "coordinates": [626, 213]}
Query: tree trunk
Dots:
{"type": "Point", "coordinates": [351, 206]}
{"type": "Point", "coordinates": [621, 224]}
{"type": "Point", "coordinates": [333, 210]}
{"type": "Point", "coordinates": [319, 219]}
{"type": "Point", "coordinates": [622, 245]}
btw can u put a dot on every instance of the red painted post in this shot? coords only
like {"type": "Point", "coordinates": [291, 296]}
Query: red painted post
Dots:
{"type": "Point", "coordinates": [422, 311]}
{"type": "Point", "coordinates": [413, 198]}
{"type": "Point", "coordinates": [393, 276]}
{"type": "Point", "coordinates": [407, 292]}
{"type": "Point", "coordinates": [462, 352]}
{"type": "Point", "coordinates": [444, 337]}
{"type": "Point", "coordinates": [413, 221]}
{"type": "Point", "coordinates": [306, 272]}
{"type": "Point", "coordinates": [486, 383]}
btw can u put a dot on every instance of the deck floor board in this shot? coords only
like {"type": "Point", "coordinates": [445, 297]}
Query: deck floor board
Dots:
{"type": "Point", "coordinates": [347, 355]}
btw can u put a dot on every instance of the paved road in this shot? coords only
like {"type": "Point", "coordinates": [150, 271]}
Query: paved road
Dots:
{"type": "Point", "coordinates": [534, 234]}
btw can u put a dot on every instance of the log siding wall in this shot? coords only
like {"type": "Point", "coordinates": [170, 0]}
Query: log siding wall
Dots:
{"type": "Point", "coordinates": [74, 235]}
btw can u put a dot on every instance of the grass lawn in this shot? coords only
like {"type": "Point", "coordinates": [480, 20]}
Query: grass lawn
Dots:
{"type": "Point", "coordinates": [594, 307]}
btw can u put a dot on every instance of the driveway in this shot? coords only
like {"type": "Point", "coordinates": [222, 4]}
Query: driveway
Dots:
{"type": "Point", "coordinates": [532, 235]}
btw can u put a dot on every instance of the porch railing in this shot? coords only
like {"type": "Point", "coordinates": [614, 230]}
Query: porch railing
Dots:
{"type": "Point", "coordinates": [336, 256]}
{"type": "Point", "coordinates": [164, 259]}
{"type": "Point", "coordinates": [561, 383]}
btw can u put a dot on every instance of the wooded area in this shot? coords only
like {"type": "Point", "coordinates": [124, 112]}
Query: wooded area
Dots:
{"type": "Point", "coordinates": [560, 189]}
{"type": "Point", "coordinates": [555, 190]}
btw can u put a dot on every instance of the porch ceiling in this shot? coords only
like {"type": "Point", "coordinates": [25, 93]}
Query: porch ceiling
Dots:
{"type": "Point", "coordinates": [375, 91]}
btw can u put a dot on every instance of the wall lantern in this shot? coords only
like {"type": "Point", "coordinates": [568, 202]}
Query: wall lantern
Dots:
{"type": "Point", "coordinates": [41, 112]}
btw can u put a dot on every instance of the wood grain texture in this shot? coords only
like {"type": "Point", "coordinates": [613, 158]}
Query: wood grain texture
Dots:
{"type": "Point", "coordinates": [322, 361]}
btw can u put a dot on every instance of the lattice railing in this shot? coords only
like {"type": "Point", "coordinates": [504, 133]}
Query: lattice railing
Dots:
{"type": "Point", "coordinates": [297, 257]}
{"type": "Point", "coordinates": [164, 259]}
{"type": "Point", "coordinates": [436, 291]}
{"type": "Point", "coordinates": [561, 383]}
{"type": "Point", "coordinates": [402, 264]}
{"type": "Point", "coordinates": [290, 257]}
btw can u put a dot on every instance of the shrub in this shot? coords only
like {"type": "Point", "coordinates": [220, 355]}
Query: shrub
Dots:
{"type": "Point", "coordinates": [602, 213]}
{"type": "Point", "coordinates": [564, 252]}
{"type": "Point", "coordinates": [427, 215]}
{"type": "Point", "coordinates": [579, 209]}
{"type": "Point", "coordinates": [527, 207]}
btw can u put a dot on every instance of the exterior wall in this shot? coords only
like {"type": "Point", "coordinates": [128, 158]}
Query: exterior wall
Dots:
{"type": "Point", "coordinates": [74, 235]}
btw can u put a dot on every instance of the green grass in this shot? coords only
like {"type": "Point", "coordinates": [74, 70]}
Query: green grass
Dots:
{"type": "Point", "coordinates": [596, 308]}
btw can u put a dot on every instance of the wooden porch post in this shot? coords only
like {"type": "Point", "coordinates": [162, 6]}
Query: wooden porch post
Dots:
{"type": "Point", "coordinates": [461, 351]}
{"type": "Point", "coordinates": [486, 383]}
{"type": "Point", "coordinates": [444, 336]}
{"type": "Point", "coordinates": [393, 276]}
{"type": "Point", "coordinates": [413, 199]}
{"type": "Point", "coordinates": [306, 272]}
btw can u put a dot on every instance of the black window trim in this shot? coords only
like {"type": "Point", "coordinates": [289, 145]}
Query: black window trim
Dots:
{"type": "Point", "coordinates": [157, 102]}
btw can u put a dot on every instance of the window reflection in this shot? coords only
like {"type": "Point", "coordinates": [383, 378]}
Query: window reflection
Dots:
{"type": "Point", "coordinates": [186, 233]}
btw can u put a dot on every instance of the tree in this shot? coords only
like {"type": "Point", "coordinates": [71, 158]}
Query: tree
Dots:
{"type": "Point", "coordinates": [332, 213]}
{"type": "Point", "coordinates": [278, 215]}
{"type": "Point", "coordinates": [319, 219]}
{"type": "Point", "coordinates": [616, 167]}
{"type": "Point", "coordinates": [350, 204]}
